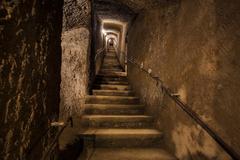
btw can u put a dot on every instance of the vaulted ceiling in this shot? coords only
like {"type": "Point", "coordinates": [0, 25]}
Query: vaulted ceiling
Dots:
{"type": "Point", "coordinates": [124, 9]}
{"type": "Point", "coordinates": [138, 5]}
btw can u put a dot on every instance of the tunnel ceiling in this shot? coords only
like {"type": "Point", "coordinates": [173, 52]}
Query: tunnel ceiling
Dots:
{"type": "Point", "coordinates": [138, 5]}
{"type": "Point", "coordinates": [112, 26]}
{"type": "Point", "coordinates": [112, 9]}
{"type": "Point", "coordinates": [124, 10]}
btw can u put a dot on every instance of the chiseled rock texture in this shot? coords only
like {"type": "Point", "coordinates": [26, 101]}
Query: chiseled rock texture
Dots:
{"type": "Point", "coordinates": [75, 71]}
{"type": "Point", "coordinates": [76, 48]}
{"type": "Point", "coordinates": [193, 46]}
{"type": "Point", "coordinates": [76, 63]}
{"type": "Point", "coordinates": [77, 13]}
{"type": "Point", "coordinates": [30, 35]}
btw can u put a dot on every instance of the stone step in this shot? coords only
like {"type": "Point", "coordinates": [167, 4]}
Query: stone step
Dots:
{"type": "Point", "coordinates": [111, 78]}
{"type": "Point", "coordinates": [110, 59]}
{"type": "Point", "coordinates": [117, 65]}
{"type": "Point", "coordinates": [111, 87]}
{"type": "Point", "coordinates": [110, 55]}
{"type": "Point", "coordinates": [111, 67]}
{"type": "Point", "coordinates": [112, 93]}
{"type": "Point", "coordinates": [110, 109]}
{"type": "Point", "coordinates": [131, 154]}
{"type": "Point", "coordinates": [93, 99]}
{"type": "Point", "coordinates": [117, 121]}
{"type": "Point", "coordinates": [125, 137]}
{"type": "Point", "coordinates": [112, 74]}
{"type": "Point", "coordinates": [111, 50]}
{"type": "Point", "coordinates": [111, 82]}
{"type": "Point", "coordinates": [111, 70]}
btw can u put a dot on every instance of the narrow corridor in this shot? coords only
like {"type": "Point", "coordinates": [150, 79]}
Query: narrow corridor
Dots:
{"type": "Point", "coordinates": [119, 79]}
{"type": "Point", "coordinates": [116, 121]}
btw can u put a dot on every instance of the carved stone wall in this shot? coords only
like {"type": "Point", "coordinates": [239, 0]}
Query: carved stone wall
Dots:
{"type": "Point", "coordinates": [193, 46]}
{"type": "Point", "coordinates": [76, 49]}
{"type": "Point", "coordinates": [76, 14]}
{"type": "Point", "coordinates": [30, 58]}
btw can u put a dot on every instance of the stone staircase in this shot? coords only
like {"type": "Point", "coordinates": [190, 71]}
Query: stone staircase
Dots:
{"type": "Point", "coordinates": [116, 126]}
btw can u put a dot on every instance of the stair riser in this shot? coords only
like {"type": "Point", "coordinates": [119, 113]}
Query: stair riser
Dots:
{"type": "Point", "coordinates": [102, 93]}
{"type": "Point", "coordinates": [111, 61]}
{"type": "Point", "coordinates": [111, 82]}
{"type": "Point", "coordinates": [111, 58]}
{"type": "Point", "coordinates": [120, 123]}
{"type": "Point", "coordinates": [112, 111]}
{"type": "Point", "coordinates": [112, 87]}
{"type": "Point", "coordinates": [111, 101]}
{"type": "Point", "coordinates": [107, 78]}
{"type": "Point", "coordinates": [107, 56]}
{"type": "Point", "coordinates": [113, 74]}
{"type": "Point", "coordinates": [111, 70]}
{"type": "Point", "coordinates": [111, 67]}
{"type": "Point", "coordinates": [128, 142]}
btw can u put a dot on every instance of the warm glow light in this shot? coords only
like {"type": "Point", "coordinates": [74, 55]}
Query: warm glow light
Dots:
{"type": "Point", "coordinates": [104, 32]}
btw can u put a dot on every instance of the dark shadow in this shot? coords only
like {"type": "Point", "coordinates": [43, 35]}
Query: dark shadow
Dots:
{"type": "Point", "coordinates": [72, 151]}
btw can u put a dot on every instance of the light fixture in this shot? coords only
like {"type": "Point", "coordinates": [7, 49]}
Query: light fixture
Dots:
{"type": "Point", "coordinates": [104, 32]}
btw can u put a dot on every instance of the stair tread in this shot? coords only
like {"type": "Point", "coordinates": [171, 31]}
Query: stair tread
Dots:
{"type": "Point", "coordinates": [115, 105]}
{"type": "Point", "coordinates": [113, 85]}
{"type": "Point", "coordinates": [111, 97]}
{"type": "Point", "coordinates": [131, 154]}
{"type": "Point", "coordinates": [119, 131]}
{"type": "Point", "coordinates": [109, 90]}
{"type": "Point", "coordinates": [113, 92]}
{"type": "Point", "coordinates": [110, 109]}
{"type": "Point", "coordinates": [106, 99]}
{"type": "Point", "coordinates": [116, 116]}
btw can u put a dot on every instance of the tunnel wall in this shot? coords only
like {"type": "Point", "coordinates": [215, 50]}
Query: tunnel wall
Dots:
{"type": "Point", "coordinates": [193, 46]}
{"type": "Point", "coordinates": [30, 58]}
{"type": "Point", "coordinates": [76, 48]}
{"type": "Point", "coordinates": [99, 46]}
{"type": "Point", "coordinates": [75, 70]}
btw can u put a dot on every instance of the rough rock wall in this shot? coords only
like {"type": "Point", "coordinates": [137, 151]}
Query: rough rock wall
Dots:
{"type": "Point", "coordinates": [76, 14]}
{"type": "Point", "coordinates": [30, 58]}
{"type": "Point", "coordinates": [193, 46]}
{"type": "Point", "coordinates": [75, 56]}
{"type": "Point", "coordinates": [75, 60]}
{"type": "Point", "coordinates": [75, 71]}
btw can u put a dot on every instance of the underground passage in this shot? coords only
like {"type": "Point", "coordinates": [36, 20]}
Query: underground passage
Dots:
{"type": "Point", "coordinates": [119, 80]}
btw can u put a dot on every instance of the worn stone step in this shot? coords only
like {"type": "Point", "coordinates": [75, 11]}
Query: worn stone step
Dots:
{"type": "Point", "coordinates": [131, 154]}
{"type": "Point", "coordinates": [111, 70]}
{"type": "Point", "coordinates": [94, 99]}
{"type": "Point", "coordinates": [110, 78]}
{"type": "Point", "coordinates": [111, 87]}
{"type": "Point", "coordinates": [112, 74]}
{"type": "Point", "coordinates": [111, 82]}
{"type": "Point", "coordinates": [110, 59]}
{"type": "Point", "coordinates": [110, 109]}
{"type": "Point", "coordinates": [112, 67]}
{"type": "Point", "coordinates": [117, 121]}
{"type": "Point", "coordinates": [110, 55]}
{"type": "Point", "coordinates": [113, 92]}
{"type": "Point", "coordinates": [125, 137]}
{"type": "Point", "coordinates": [116, 69]}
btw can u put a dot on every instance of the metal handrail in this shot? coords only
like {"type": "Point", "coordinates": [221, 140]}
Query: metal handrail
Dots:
{"type": "Point", "coordinates": [55, 140]}
{"type": "Point", "coordinates": [190, 112]}
{"type": "Point", "coordinates": [99, 52]}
